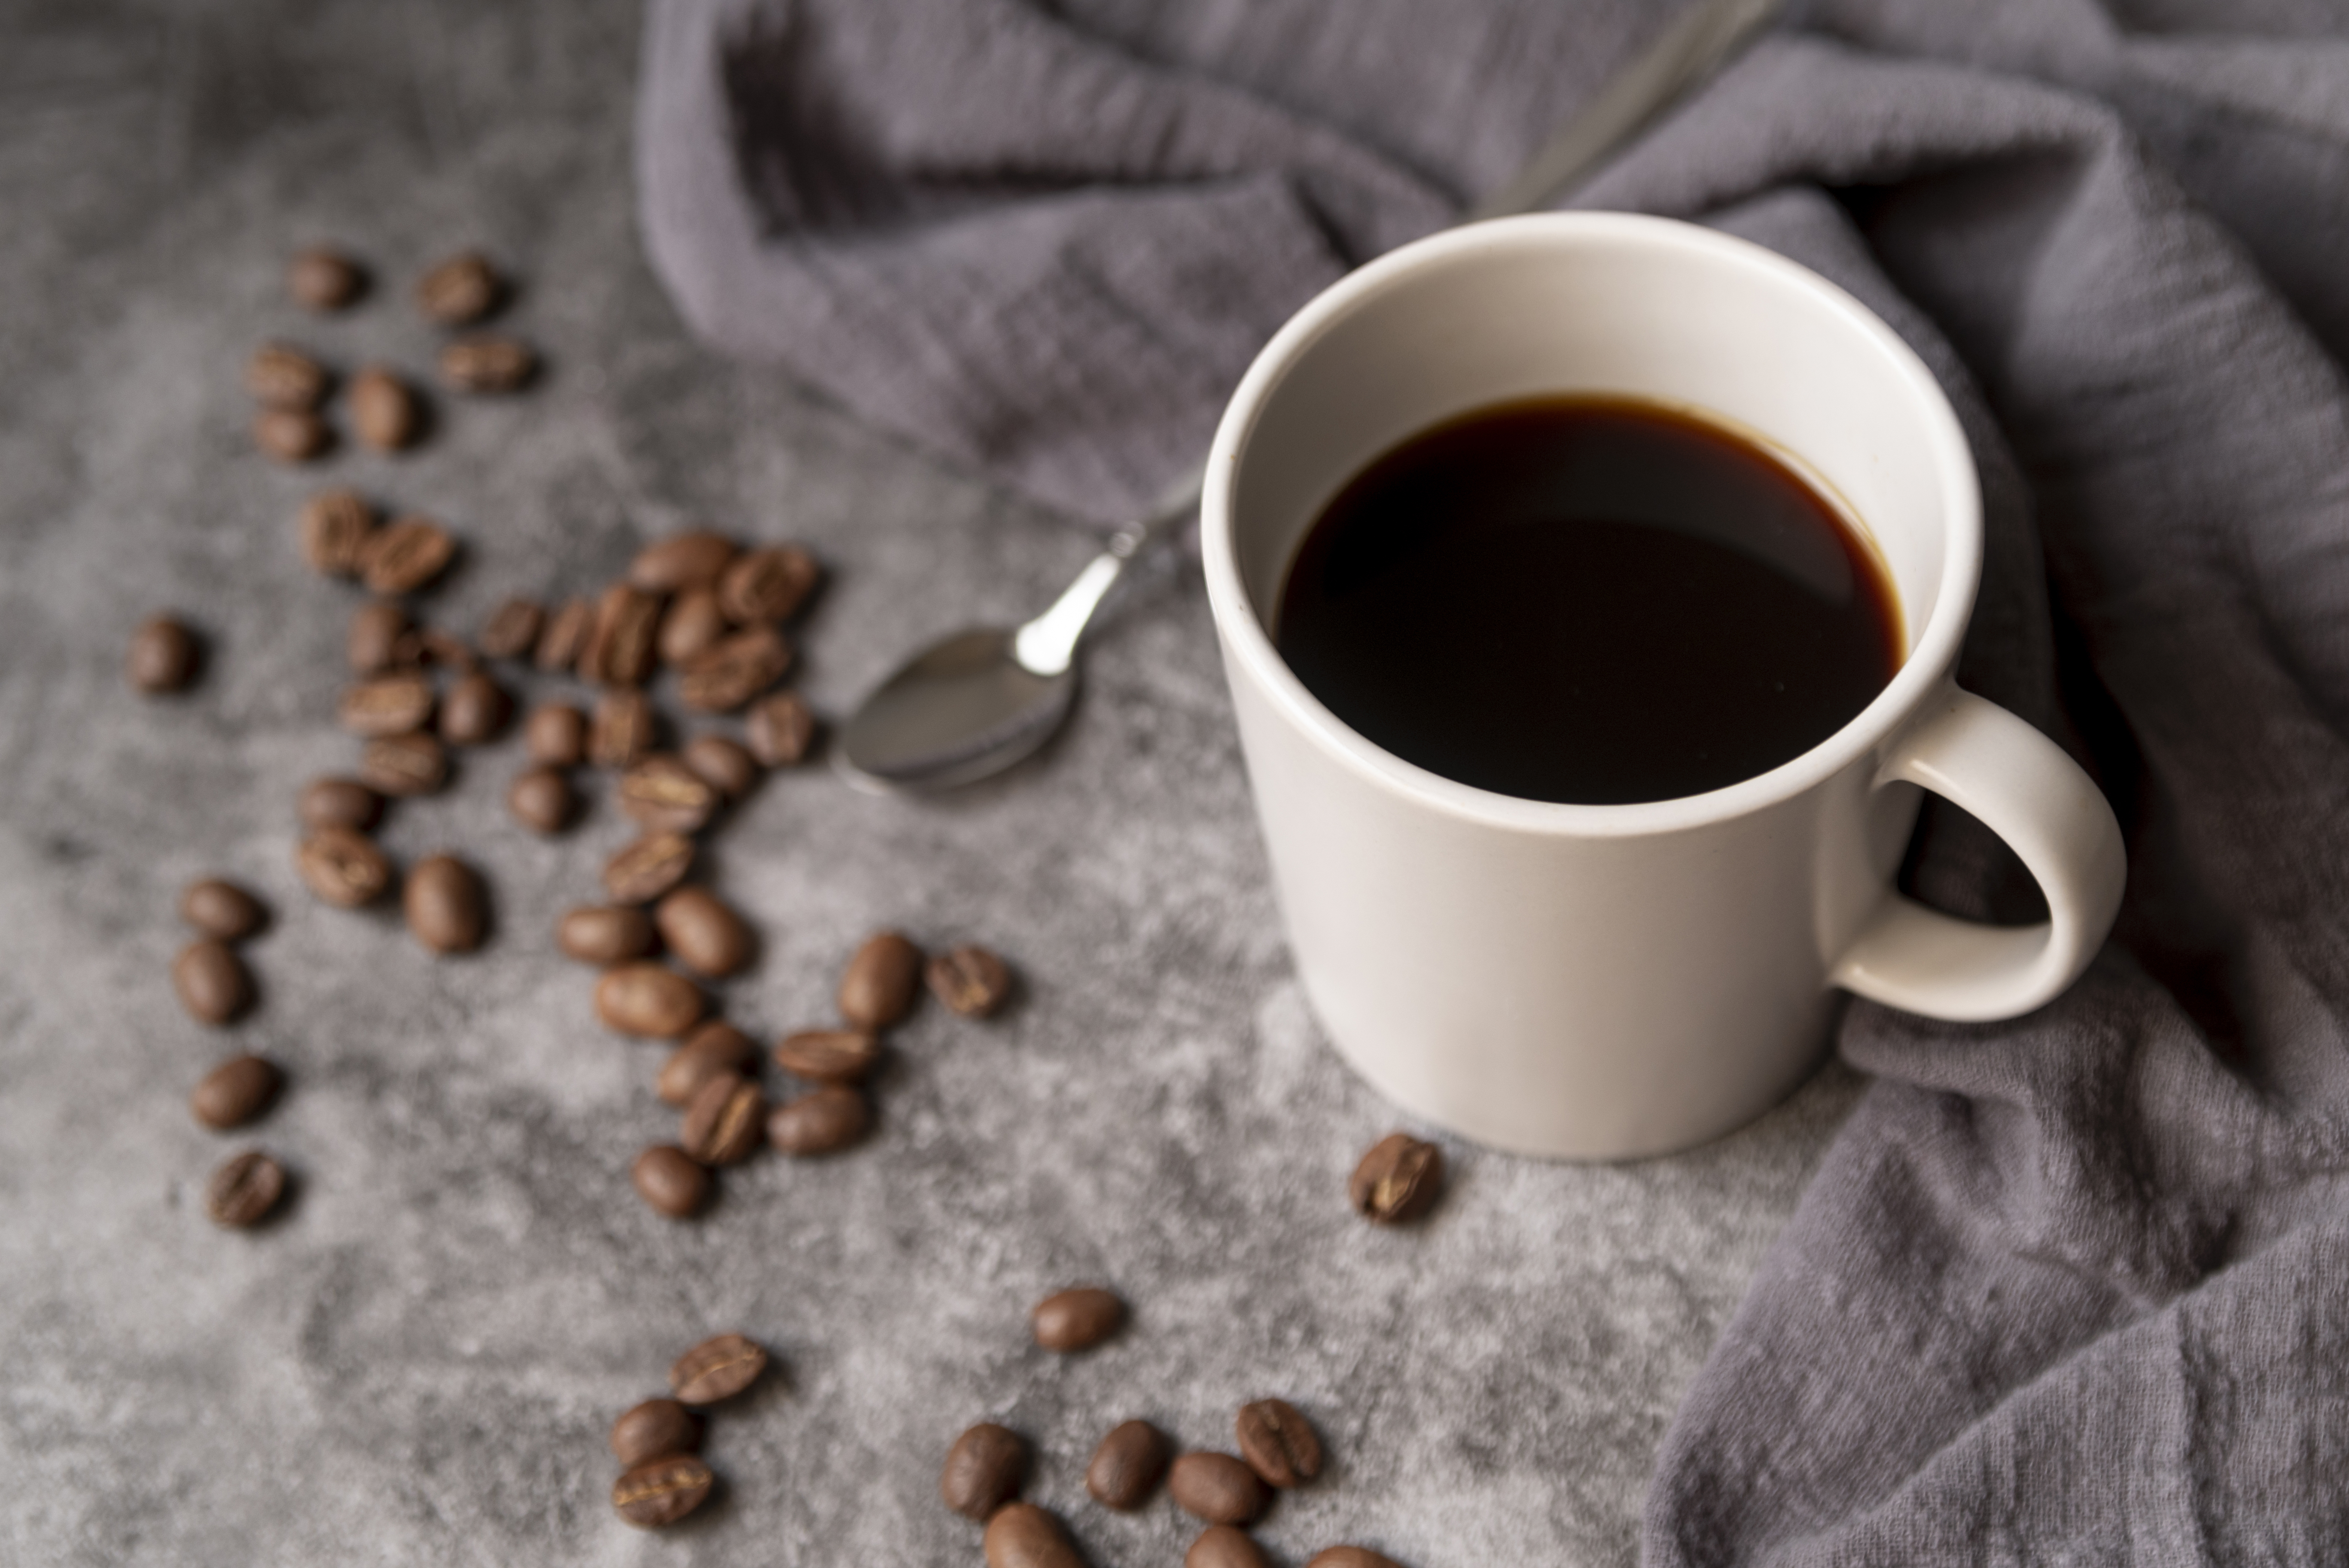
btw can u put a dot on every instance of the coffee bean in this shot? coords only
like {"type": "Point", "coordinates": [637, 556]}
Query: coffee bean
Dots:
{"type": "Point", "coordinates": [512, 628]}
{"type": "Point", "coordinates": [650, 867]}
{"type": "Point", "coordinates": [242, 1192]}
{"type": "Point", "coordinates": [722, 1121]}
{"type": "Point", "coordinates": [1077, 1319]}
{"type": "Point", "coordinates": [283, 377]}
{"type": "Point", "coordinates": [211, 981]}
{"type": "Point", "coordinates": [1128, 1466]}
{"type": "Point", "coordinates": [444, 651]}
{"type": "Point", "coordinates": [487, 364]}
{"type": "Point", "coordinates": [661, 1492]}
{"type": "Point", "coordinates": [164, 655]}
{"type": "Point", "coordinates": [721, 764]}
{"type": "Point", "coordinates": [1217, 1488]}
{"type": "Point", "coordinates": [623, 729]}
{"type": "Point", "coordinates": [722, 677]}
{"type": "Point", "coordinates": [541, 799]}
{"type": "Point", "coordinates": [333, 528]}
{"type": "Point", "coordinates": [222, 911]}
{"type": "Point", "coordinates": [291, 435]}
{"type": "Point", "coordinates": [653, 1429]}
{"type": "Point", "coordinates": [1396, 1180]}
{"type": "Point", "coordinates": [1023, 1535]}
{"type": "Point", "coordinates": [669, 1182]}
{"type": "Point", "coordinates": [620, 650]}
{"type": "Point", "coordinates": [556, 734]}
{"type": "Point", "coordinates": [829, 1055]}
{"type": "Point", "coordinates": [663, 795]}
{"type": "Point", "coordinates": [564, 635]}
{"type": "Point", "coordinates": [763, 586]}
{"type": "Point", "coordinates": [1277, 1443]}
{"type": "Point", "coordinates": [343, 866]}
{"type": "Point", "coordinates": [384, 411]}
{"type": "Point", "coordinates": [1350, 1557]}
{"type": "Point", "coordinates": [406, 554]}
{"type": "Point", "coordinates": [446, 908]}
{"type": "Point", "coordinates": [322, 279]}
{"type": "Point", "coordinates": [1221, 1546]}
{"type": "Point", "coordinates": [464, 287]}
{"type": "Point", "coordinates": [604, 935]}
{"type": "Point", "coordinates": [692, 624]}
{"type": "Point", "coordinates": [475, 709]}
{"type": "Point", "coordinates": [373, 643]}
{"type": "Point", "coordinates": [877, 989]}
{"type": "Point", "coordinates": [388, 705]}
{"type": "Point", "coordinates": [971, 981]}
{"type": "Point", "coordinates": [984, 1470]}
{"type": "Point", "coordinates": [404, 765]}
{"type": "Point", "coordinates": [236, 1092]}
{"type": "Point", "coordinates": [339, 802]}
{"type": "Point", "coordinates": [707, 936]}
{"type": "Point", "coordinates": [718, 1369]}
{"type": "Point", "coordinates": [714, 1048]}
{"type": "Point", "coordinates": [821, 1121]}
{"type": "Point", "coordinates": [645, 1000]}
{"type": "Point", "coordinates": [782, 728]}
{"type": "Point", "coordinates": [690, 560]}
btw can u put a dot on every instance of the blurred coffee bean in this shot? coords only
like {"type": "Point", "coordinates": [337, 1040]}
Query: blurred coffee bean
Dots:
{"type": "Point", "coordinates": [463, 288]}
{"type": "Point", "coordinates": [387, 705]}
{"type": "Point", "coordinates": [604, 935]}
{"type": "Point", "coordinates": [829, 1055]}
{"type": "Point", "coordinates": [877, 989]}
{"type": "Point", "coordinates": [823, 1121]}
{"type": "Point", "coordinates": [334, 528]}
{"type": "Point", "coordinates": [722, 1121]}
{"type": "Point", "coordinates": [1277, 1443]}
{"type": "Point", "coordinates": [1023, 1535]}
{"type": "Point", "coordinates": [984, 1470]}
{"type": "Point", "coordinates": [322, 278]}
{"type": "Point", "coordinates": [213, 982]}
{"type": "Point", "coordinates": [541, 799]}
{"type": "Point", "coordinates": [339, 802]}
{"type": "Point", "coordinates": [242, 1191]}
{"type": "Point", "coordinates": [653, 1429]}
{"type": "Point", "coordinates": [221, 909]}
{"type": "Point", "coordinates": [164, 655]}
{"type": "Point", "coordinates": [1222, 1546]}
{"type": "Point", "coordinates": [714, 1048]}
{"type": "Point", "coordinates": [446, 905]}
{"type": "Point", "coordinates": [384, 411]}
{"type": "Point", "coordinates": [280, 377]}
{"type": "Point", "coordinates": [766, 585]}
{"type": "Point", "coordinates": [647, 868]}
{"type": "Point", "coordinates": [704, 933]}
{"type": "Point", "coordinates": [692, 624]}
{"type": "Point", "coordinates": [1128, 1466]}
{"type": "Point", "coordinates": [660, 793]}
{"type": "Point", "coordinates": [971, 981]}
{"type": "Point", "coordinates": [444, 651]}
{"type": "Point", "coordinates": [556, 734]}
{"type": "Point", "coordinates": [669, 1182]}
{"type": "Point", "coordinates": [564, 635]}
{"type": "Point", "coordinates": [688, 560]}
{"type": "Point", "coordinates": [722, 764]}
{"type": "Point", "coordinates": [620, 650]}
{"type": "Point", "coordinates": [660, 1491]}
{"type": "Point", "coordinates": [487, 364]}
{"type": "Point", "coordinates": [404, 765]}
{"type": "Point", "coordinates": [1396, 1180]}
{"type": "Point", "coordinates": [291, 435]}
{"type": "Point", "coordinates": [1350, 1557]}
{"type": "Point", "coordinates": [475, 709]}
{"type": "Point", "coordinates": [1217, 1488]}
{"type": "Point", "coordinates": [343, 866]}
{"type": "Point", "coordinates": [236, 1092]}
{"type": "Point", "coordinates": [406, 554]}
{"type": "Point", "coordinates": [512, 628]}
{"type": "Point", "coordinates": [781, 729]}
{"type": "Point", "coordinates": [716, 1369]}
{"type": "Point", "coordinates": [647, 1000]}
{"type": "Point", "coordinates": [372, 645]}
{"type": "Point", "coordinates": [623, 730]}
{"type": "Point", "coordinates": [1077, 1319]}
{"type": "Point", "coordinates": [723, 676]}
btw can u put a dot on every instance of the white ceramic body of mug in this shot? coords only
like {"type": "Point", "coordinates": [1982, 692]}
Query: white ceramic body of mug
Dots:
{"type": "Point", "coordinates": [1608, 981]}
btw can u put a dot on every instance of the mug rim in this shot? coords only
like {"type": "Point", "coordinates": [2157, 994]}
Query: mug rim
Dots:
{"type": "Point", "coordinates": [1930, 656]}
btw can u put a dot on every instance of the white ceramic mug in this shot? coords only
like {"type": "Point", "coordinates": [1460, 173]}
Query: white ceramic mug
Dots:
{"type": "Point", "coordinates": [1608, 981]}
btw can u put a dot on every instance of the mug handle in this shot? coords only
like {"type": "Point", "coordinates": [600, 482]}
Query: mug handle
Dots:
{"type": "Point", "coordinates": [2027, 791]}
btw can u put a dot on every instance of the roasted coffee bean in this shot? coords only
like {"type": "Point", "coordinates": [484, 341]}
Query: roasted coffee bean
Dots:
{"type": "Point", "coordinates": [1221, 1546]}
{"type": "Point", "coordinates": [339, 802]}
{"type": "Point", "coordinates": [692, 624]}
{"type": "Point", "coordinates": [388, 705]}
{"type": "Point", "coordinates": [722, 1121]}
{"type": "Point", "coordinates": [164, 655]}
{"type": "Point", "coordinates": [384, 410]}
{"type": "Point", "coordinates": [1350, 1557]}
{"type": "Point", "coordinates": [766, 585]}
{"type": "Point", "coordinates": [564, 635]}
{"type": "Point", "coordinates": [222, 911]}
{"type": "Point", "coordinates": [487, 364]}
{"type": "Point", "coordinates": [464, 287]}
{"type": "Point", "coordinates": [653, 1429]}
{"type": "Point", "coordinates": [620, 649]}
{"type": "Point", "coordinates": [406, 554]}
{"type": "Point", "coordinates": [556, 734]}
{"type": "Point", "coordinates": [984, 1470]}
{"type": "Point", "coordinates": [623, 730]}
{"type": "Point", "coordinates": [1217, 1488]}
{"type": "Point", "coordinates": [283, 377]}
{"type": "Point", "coordinates": [1073, 1320]}
{"type": "Point", "coordinates": [649, 868]}
{"type": "Point", "coordinates": [1396, 1180]}
{"type": "Point", "coordinates": [661, 1492]}
{"type": "Point", "coordinates": [404, 765]}
{"type": "Point", "coordinates": [645, 1000]}
{"type": "Point", "coordinates": [718, 1369]}
{"type": "Point", "coordinates": [236, 1092]}
{"type": "Point", "coordinates": [446, 905]}
{"type": "Point", "coordinates": [714, 1048]}
{"type": "Point", "coordinates": [604, 935]}
{"type": "Point", "coordinates": [242, 1192]}
{"type": "Point", "coordinates": [1128, 1466]}
{"type": "Point", "coordinates": [211, 981]}
{"type": "Point", "coordinates": [721, 764]}
{"type": "Point", "coordinates": [444, 651]}
{"type": "Point", "coordinates": [821, 1121]}
{"type": "Point", "coordinates": [877, 989]}
{"type": "Point", "coordinates": [474, 711]}
{"type": "Point", "coordinates": [690, 560]}
{"type": "Point", "coordinates": [660, 793]}
{"type": "Point", "coordinates": [373, 643]}
{"type": "Point", "coordinates": [541, 799]}
{"type": "Point", "coordinates": [321, 278]}
{"type": "Point", "coordinates": [782, 728]}
{"type": "Point", "coordinates": [343, 866]}
{"type": "Point", "coordinates": [1277, 1443]}
{"type": "Point", "coordinates": [669, 1182]}
{"type": "Point", "coordinates": [291, 435]}
{"type": "Point", "coordinates": [705, 934]}
{"type": "Point", "coordinates": [334, 528]}
{"type": "Point", "coordinates": [971, 981]}
{"type": "Point", "coordinates": [829, 1055]}
{"type": "Point", "coordinates": [722, 677]}
{"type": "Point", "coordinates": [512, 628]}
{"type": "Point", "coordinates": [1023, 1535]}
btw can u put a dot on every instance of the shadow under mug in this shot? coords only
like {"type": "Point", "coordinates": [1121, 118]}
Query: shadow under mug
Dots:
{"type": "Point", "coordinates": [1613, 981]}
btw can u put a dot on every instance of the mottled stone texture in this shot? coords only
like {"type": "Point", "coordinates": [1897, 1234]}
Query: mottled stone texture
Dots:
{"type": "Point", "coordinates": [417, 1364]}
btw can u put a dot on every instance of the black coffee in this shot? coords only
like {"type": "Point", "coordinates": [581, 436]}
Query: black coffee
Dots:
{"type": "Point", "coordinates": [1588, 599]}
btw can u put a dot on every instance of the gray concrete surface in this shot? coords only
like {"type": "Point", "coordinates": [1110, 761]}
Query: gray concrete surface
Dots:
{"type": "Point", "coordinates": [417, 1365]}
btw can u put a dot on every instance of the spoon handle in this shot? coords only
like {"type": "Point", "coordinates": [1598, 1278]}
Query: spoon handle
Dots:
{"type": "Point", "coordinates": [1048, 644]}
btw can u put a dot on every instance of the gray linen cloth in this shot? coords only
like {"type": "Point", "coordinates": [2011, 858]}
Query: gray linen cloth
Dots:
{"type": "Point", "coordinates": [2069, 1289]}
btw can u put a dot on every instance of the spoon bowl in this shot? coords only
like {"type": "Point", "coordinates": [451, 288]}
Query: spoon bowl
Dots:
{"type": "Point", "coordinates": [964, 707]}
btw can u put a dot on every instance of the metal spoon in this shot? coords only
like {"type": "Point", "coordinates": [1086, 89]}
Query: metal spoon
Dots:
{"type": "Point", "coordinates": [986, 698]}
